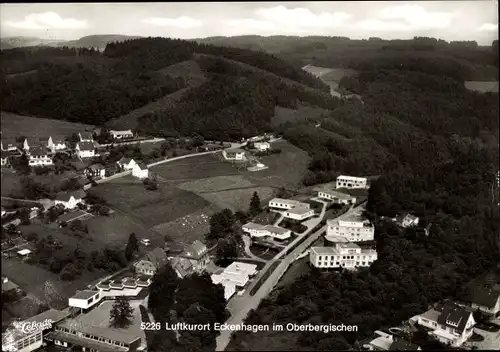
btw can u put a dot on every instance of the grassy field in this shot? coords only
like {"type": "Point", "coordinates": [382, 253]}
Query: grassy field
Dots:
{"type": "Point", "coordinates": [11, 185]}
{"type": "Point", "coordinates": [482, 86]}
{"type": "Point", "coordinates": [285, 169]}
{"type": "Point", "coordinates": [194, 168]}
{"type": "Point", "coordinates": [237, 199]}
{"type": "Point", "coordinates": [266, 218]}
{"type": "Point", "coordinates": [150, 208]}
{"type": "Point", "coordinates": [14, 125]}
{"type": "Point", "coordinates": [216, 184]}
{"type": "Point", "coordinates": [282, 115]}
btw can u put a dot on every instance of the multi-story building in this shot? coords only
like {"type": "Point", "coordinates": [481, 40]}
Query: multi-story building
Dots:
{"type": "Point", "coordinates": [336, 197]}
{"type": "Point", "coordinates": [280, 203]}
{"type": "Point", "coordinates": [343, 255]}
{"type": "Point", "coordinates": [39, 156]}
{"type": "Point", "coordinates": [85, 150]}
{"type": "Point", "coordinates": [352, 226]}
{"type": "Point", "coordinates": [236, 274]}
{"type": "Point", "coordinates": [85, 299]}
{"type": "Point", "coordinates": [151, 262]}
{"type": "Point", "coordinates": [449, 323]}
{"type": "Point", "coordinates": [260, 231]}
{"type": "Point", "coordinates": [298, 213]}
{"type": "Point", "coordinates": [197, 255]}
{"type": "Point", "coordinates": [351, 182]}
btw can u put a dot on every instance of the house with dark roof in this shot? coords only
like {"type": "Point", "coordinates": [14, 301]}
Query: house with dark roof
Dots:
{"type": "Point", "coordinates": [151, 262]}
{"type": "Point", "coordinates": [182, 267]}
{"type": "Point", "coordinates": [197, 254]}
{"type": "Point", "coordinates": [449, 323]}
{"type": "Point", "coordinates": [8, 155]}
{"type": "Point", "coordinates": [85, 137]}
{"type": "Point", "coordinates": [486, 298]}
{"type": "Point", "coordinates": [140, 170]}
{"type": "Point", "coordinates": [95, 171]}
{"type": "Point", "coordinates": [85, 150]}
{"type": "Point", "coordinates": [70, 199]}
{"type": "Point", "coordinates": [9, 144]}
{"type": "Point", "coordinates": [39, 156]}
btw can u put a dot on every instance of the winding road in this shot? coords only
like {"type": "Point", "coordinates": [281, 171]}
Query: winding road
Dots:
{"type": "Point", "coordinates": [240, 306]}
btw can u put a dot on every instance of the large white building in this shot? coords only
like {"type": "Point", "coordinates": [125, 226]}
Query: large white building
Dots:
{"type": "Point", "coordinates": [351, 182]}
{"type": "Point", "coordinates": [337, 197]}
{"type": "Point", "coordinates": [449, 323]}
{"type": "Point", "coordinates": [343, 255]}
{"type": "Point", "coordinates": [259, 231]}
{"type": "Point", "coordinates": [39, 156]}
{"type": "Point", "coordinates": [234, 154]}
{"type": "Point", "coordinates": [140, 170]}
{"type": "Point", "coordinates": [236, 274]}
{"type": "Point", "coordinates": [121, 134]}
{"type": "Point", "coordinates": [85, 299]}
{"type": "Point", "coordinates": [70, 199]}
{"type": "Point", "coordinates": [353, 227]}
{"type": "Point", "coordinates": [280, 203]}
{"type": "Point", "coordinates": [298, 213]}
{"type": "Point", "coordinates": [262, 146]}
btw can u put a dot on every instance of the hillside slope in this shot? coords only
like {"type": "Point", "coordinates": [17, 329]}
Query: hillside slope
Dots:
{"type": "Point", "coordinates": [137, 77]}
{"type": "Point", "coordinates": [92, 41]}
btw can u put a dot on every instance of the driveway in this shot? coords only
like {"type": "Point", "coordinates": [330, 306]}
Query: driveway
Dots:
{"type": "Point", "coordinates": [248, 252]}
{"type": "Point", "coordinates": [239, 306]}
{"type": "Point", "coordinates": [491, 339]}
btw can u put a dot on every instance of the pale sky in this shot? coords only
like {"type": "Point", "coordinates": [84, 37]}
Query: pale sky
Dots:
{"type": "Point", "coordinates": [448, 20]}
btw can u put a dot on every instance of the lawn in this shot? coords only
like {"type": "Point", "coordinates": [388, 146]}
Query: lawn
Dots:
{"type": "Point", "coordinates": [266, 217]}
{"type": "Point", "coordinates": [14, 125]}
{"type": "Point", "coordinates": [11, 184]}
{"type": "Point", "coordinates": [285, 169]}
{"type": "Point", "coordinates": [282, 115]}
{"type": "Point", "coordinates": [482, 86]}
{"type": "Point", "coordinates": [194, 168]}
{"type": "Point", "coordinates": [150, 208]}
{"type": "Point", "coordinates": [186, 229]}
{"type": "Point", "coordinates": [215, 184]}
{"type": "Point", "coordinates": [237, 199]}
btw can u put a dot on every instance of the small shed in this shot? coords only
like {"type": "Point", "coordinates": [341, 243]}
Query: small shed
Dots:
{"type": "Point", "coordinates": [24, 252]}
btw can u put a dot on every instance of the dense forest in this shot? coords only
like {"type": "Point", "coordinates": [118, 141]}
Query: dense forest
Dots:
{"type": "Point", "coordinates": [435, 145]}
{"type": "Point", "coordinates": [84, 85]}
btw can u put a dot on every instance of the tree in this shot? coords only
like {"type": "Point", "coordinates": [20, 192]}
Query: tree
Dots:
{"type": "Point", "coordinates": [132, 246]}
{"type": "Point", "coordinates": [221, 224]}
{"type": "Point", "coordinates": [162, 290]}
{"type": "Point", "coordinates": [121, 313]}
{"type": "Point", "coordinates": [255, 207]}
{"type": "Point", "coordinates": [226, 249]}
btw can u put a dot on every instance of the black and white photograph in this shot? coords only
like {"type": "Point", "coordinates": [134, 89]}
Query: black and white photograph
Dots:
{"type": "Point", "coordinates": [250, 176]}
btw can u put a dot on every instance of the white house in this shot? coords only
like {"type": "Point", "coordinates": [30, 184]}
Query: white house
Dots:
{"type": "Point", "coordinates": [262, 146]}
{"type": "Point", "coordinates": [351, 182]}
{"type": "Point", "coordinates": [57, 144]}
{"type": "Point", "coordinates": [258, 230]}
{"type": "Point", "coordinates": [449, 323]}
{"type": "Point", "coordinates": [8, 144]}
{"type": "Point", "coordinates": [487, 299]}
{"type": "Point", "coordinates": [236, 274]}
{"type": "Point", "coordinates": [121, 134]}
{"type": "Point", "coordinates": [298, 213]}
{"type": "Point", "coordinates": [140, 170]}
{"type": "Point", "coordinates": [337, 197]}
{"type": "Point", "coordinates": [39, 156]}
{"type": "Point", "coordinates": [85, 137]}
{"type": "Point", "coordinates": [343, 255]}
{"type": "Point", "coordinates": [126, 163]}
{"type": "Point", "coordinates": [85, 150]}
{"type": "Point", "coordinates": [85, 299]}
{"type": "Point", "coordinates": [280, 203]}
{"type": "Point", "coordinates": [352, 226]}
{"type": "Point", "coordinates": [234, 154]}
{"type": "Point", "coordinates": [69, 199]}
{"type": "Point", "coordinates": [95, 171]}
{"type": "Point", "coordinates": [407, 220]}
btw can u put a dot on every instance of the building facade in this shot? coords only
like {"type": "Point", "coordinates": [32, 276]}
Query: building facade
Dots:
{"type": "Point", "coordinates": [119, 135]}
{"type": "Point", "coordinates": [351, 182]}
{"type": "Point", "coordinates": [39, 156]}
{"type": "Point", "coordinates": [85, 150]}
{"type": "Point", "coordinates": [262, 146]}
{"type": "Point", "coordinates": [336, 197]}
{"type": "Point", "coordinates": [343, 255]}
{"type": "Point", "coordinates": [352, 230]}
{"type": "Point", "coordinates": [270, 231]}
{"type": "Point", "coordinates": [140, 170]}
{"type": "Point", "coordinates": [298, 213]}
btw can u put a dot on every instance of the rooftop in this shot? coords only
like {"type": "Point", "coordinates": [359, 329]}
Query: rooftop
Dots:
{"type": "Point", "coordinates": [120, 132]}
{"type": "Point", "coordinates": [276, 229]}
{"type": "Point", "coordinates": [336, 194]}
{"type": "Point", "coordinates": [351, 177]}
{"type": "Point", "coordinates": [52, 315]}
{"type": "Point", "coordinates": [96, 167]}
{"type": "Point", "coordinates": [142, 165]}
{"type": "Point", "coordinates": [96, 322]}
{"type": "Point", "coordinates": [24, 252]}
{"type": "Point", "coordinates": [253, 226]}
{"type": "Point", "coordinates": [299, 210]}
{"type": "Point", "coordinates": [84, 342]}
{"type": "Point", "coordinates": [485, 296]}
{"type": "Point", "coordinates": [237, 150]}
{"type": "Point", "coordinates": [85, 294]}
{"type": "Point", "coordinates": [285, 201]}
{"type": "Point", "coordinates": [86, 135]}
{"type": "Point", "coordinates": [38, 151]}
{"type": "Point", "coordinates": [86, 146]}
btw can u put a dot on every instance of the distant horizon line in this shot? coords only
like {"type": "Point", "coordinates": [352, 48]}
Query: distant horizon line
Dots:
{"type": "Point", "coordinates": [239, 36]}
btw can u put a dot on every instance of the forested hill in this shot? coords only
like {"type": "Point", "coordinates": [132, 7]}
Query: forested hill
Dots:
{"type": "Point", "coordinates": [237, 90]}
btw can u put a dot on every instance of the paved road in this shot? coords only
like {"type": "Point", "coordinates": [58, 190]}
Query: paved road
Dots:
{"type": "Point", "coordinates": [241, 305]}
{"type": "Point", "coordinates": [248, 252]}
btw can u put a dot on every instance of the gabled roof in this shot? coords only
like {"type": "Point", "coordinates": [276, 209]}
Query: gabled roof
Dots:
{"type": "Point", "coordinates": [157, 256]}
{"type": "Point", "coordinates": [44, 139]}
{"type": "Point", "coordinates": [485, 296]}
{"type": "Point", "coordinates": [455, 314]}
{"type": "Point", "coordinates": [195, 250]}
{"type": "Point", "coordinates": [142, 165]}
{"type": "Point", "coordinates": [86, 135]}
{"type": "Point", "coordinates": [58, 140]}
{"type": "Point", "coordinates": [8, 142]}
{"type": "Point", "coordinates": [403, 345]}
{"type": "Point", "coordinates": [96, 167]}
{"type": "Point", "coordinates": [65, 196]}
{"type": "Point", "coordinates": [85, 294]}
{"type": "Point", "coordinates": [38, 150]}
{"type": "Point", "coordinates": [182, 266]}
{"type": "Point", "coordinates": [124, 161]}
{"type": "Point", "coordinates": [86, 146]}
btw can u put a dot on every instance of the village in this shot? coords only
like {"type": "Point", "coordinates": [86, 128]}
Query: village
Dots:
{"type": "Point", "coordinates": [328, 226]}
